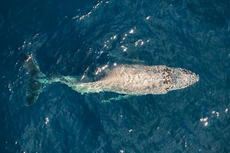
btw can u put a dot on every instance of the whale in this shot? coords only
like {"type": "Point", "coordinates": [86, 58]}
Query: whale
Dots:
{"type": "Point", "coordinates": [125, 79]}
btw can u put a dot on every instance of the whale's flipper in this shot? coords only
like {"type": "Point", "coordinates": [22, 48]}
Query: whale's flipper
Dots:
{"type": "Point", "coordinates": [34, 86]}
{"type": "Point", "coordinates": [120, 97]}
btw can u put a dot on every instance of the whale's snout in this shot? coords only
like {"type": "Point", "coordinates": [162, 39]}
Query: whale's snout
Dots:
{"type": "Point", "coordinates": [193, 78]}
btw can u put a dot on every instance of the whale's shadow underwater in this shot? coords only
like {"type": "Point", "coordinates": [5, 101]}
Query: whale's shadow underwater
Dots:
{"type": "Point", "coordinates": [122, 79]}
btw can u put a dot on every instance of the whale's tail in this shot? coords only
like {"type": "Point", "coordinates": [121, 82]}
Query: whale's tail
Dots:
{"type": "Point", "coordinates": [35, 76]}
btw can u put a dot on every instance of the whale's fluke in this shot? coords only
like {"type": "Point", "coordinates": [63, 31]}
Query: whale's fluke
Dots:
{"type": "Point", "coordinates": [32, 91]}
{"type": "Point", "coordinates": [34, 86]}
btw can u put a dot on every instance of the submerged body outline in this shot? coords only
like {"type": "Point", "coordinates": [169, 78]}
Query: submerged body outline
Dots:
{"type": "Point", "coordinates": [125, 79]}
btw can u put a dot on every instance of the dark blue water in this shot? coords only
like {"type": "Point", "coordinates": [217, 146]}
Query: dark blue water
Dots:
{"type": "Point", "coordinates": [77, 37]}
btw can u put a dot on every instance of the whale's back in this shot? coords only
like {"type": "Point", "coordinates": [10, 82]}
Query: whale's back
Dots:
{"type": "Point", "coordinates": [141, 80]}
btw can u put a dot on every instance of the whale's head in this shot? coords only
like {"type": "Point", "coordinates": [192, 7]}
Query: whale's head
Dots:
{"type": "Point", "coordinates": [193, 78]}
{"type": "Point", "coordinates": [183, 78]}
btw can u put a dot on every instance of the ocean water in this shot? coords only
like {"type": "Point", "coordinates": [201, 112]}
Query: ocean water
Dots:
{"type": "Point", "coordinates": [78, 38]}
